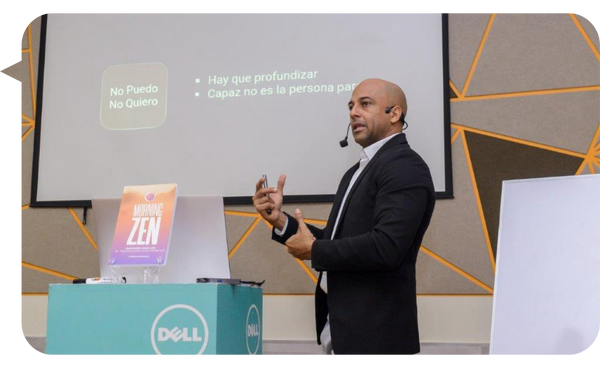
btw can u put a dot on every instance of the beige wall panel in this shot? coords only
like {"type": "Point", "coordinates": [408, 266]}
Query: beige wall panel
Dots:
{"type": "Point", "coordinates": [465, 32]}
{"type": "Point", "coordinates": [534, 52]}
{"type": "Point", "coordinates": [25, 162]}
{"type": "Point", "coordinates": [260, 258]}
{"type": "Point", "coordinates": [30, 281]}
{"type": "Point", "coordinates": [20, 71]}
{"type": "Point", "coordinates": [236, 228]}
{"type": "Point", "coordinates": [456, 233]}
{"type": "Point", "coordinates": [52, 239]}
{"type": "Point", "coordinates": [435, 278]}
{"type": "Point", "coordinates": [567, 120]}
{"type": "Point", "coordinates": [590, 26]}
{"type": "Point", "coordinates": [35, 24]}
{"type": "Point", "coordinates": [25, 40]}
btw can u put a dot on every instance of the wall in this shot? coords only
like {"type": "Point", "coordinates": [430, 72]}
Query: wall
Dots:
{"type": "Point", "coordinates": [525, 97]}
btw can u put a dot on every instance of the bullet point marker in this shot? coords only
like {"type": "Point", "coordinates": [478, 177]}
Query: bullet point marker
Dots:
{"type": "Point", "coordinates": [197, 80]}
{"type": "Point", "coordinates": [197, 94]}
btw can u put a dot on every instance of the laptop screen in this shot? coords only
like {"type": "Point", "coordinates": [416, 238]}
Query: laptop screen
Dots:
{"type": "Point", "coordinates": [198, 244]}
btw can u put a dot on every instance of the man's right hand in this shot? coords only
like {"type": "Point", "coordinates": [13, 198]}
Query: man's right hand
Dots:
{"type": "Point", "coordinates": [272, 202]}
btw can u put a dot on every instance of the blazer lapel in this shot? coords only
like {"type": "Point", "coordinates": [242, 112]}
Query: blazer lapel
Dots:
{"type": "Point", "coordinates": [352, 190]}
{"type": "Point", "coordinates": [399, 139]}
{"type": "Point", "coordinates": [337, 201]}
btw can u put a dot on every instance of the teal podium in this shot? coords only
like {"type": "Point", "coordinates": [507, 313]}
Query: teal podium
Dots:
{"type": "Point", "coordinates": [154, 319]}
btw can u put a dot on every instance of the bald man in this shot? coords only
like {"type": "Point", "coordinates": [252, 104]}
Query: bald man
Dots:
{"type": "Point", "coordinates": [366, 294]}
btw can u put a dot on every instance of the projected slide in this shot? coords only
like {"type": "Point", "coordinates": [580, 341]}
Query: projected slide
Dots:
{"type": "Point", "coordinates": [212, 102]}
{"type": "Point", "coordinates": [134, 96]}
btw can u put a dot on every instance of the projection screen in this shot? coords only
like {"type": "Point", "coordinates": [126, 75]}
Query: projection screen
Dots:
{"type": "Point", "coordinates": [212, 102]}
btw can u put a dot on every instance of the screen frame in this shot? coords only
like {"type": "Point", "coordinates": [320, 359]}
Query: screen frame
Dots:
{"type": "Point", "coordinates": [448, 193]}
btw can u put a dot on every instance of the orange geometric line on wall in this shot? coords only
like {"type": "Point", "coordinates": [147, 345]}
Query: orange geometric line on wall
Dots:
{"type": "Point", "coordinates": [316, 222]}
{"type": "Point", "coordinates": [593, 163]}
{"type": "Point", "coordinates": [494, 96]}
{"type": "Point", "coordinates": [456, 134]}
{"type": "Point", "coordinates": [252, 214]}
{"type": "Point", "coordinates": [24, 51]}
{"type": "Point", "coordinates": [25, 206]}
{"type": "Point", "coordinates": [457, 270]}
{"type": "Point", "coordinates": [304, 267]}
{"type": "Point", "coordinates": [27, 133]}
{"type": "Point", "coordinates": [87, 234]}
{"type": "Point", "coordinates": [48, 271]}
{"type": "Point", "coordinates": [581, 167]}
{"type": "Point", "coordinates": [592, 150]}
{"type": "Point", "coordinates": [478, 200]}
{"type": "Point", "coordinates": [307, 270]}
{"type": "Point", "coordinates": [244, 237]}
{"type": "Point", "coordinates": [31, 71]}
{"type": "Point", "coordinates": [249, 231]}
{"type": "Point", "coordinates": [258, 218]}
{"type": "Point", "coordinates": [585, 36]}
{"type": "Point", "coordinates": [27, 118]}
{"type": "Point", "coordinates": [591, 156]}
{"type": "Point", "coordinates": [597, 163]}
{"type": "Point", "coordinates": [240, 213]}
{"type": "Point", "coordinates": [456, 91]}
{"type": "Point", "coordinates": [26, 124]}
{"type": "Point", "coordinates": [28, 49]}
{"type": "Point", "coordinates": [268, 225]}
{"type": "Point", "coordinates": [520, 141]}
{"type": "Point", "coordinates": [478, 55]}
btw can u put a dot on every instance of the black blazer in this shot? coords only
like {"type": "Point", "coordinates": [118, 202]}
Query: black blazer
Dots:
{"type": "Point", "coordinates": [370, 262]}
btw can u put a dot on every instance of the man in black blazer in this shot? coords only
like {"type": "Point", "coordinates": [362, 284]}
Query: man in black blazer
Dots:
{"type": "Point", "coordinates": [366, 295]}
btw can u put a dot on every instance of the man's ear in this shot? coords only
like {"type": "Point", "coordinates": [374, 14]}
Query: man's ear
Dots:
{"type": "Point", "coordinates": [396, 113]}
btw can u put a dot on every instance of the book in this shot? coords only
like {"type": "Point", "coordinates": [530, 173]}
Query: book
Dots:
{"type": "Point", "coordinates": [144, 226]}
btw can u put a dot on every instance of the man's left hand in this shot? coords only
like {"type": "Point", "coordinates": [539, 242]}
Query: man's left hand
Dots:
{"type": "Point", "coordinates": [300, 245]}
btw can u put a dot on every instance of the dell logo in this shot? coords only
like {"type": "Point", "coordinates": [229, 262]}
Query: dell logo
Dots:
{"type": "Point", "coordinates": [179, 329]}
{"type": "Point", "coordinates": [253, 336]}
{"type": "Point", "coordinates": [252, 330]}
{"type": "Point", "coordinates": [177, 334]}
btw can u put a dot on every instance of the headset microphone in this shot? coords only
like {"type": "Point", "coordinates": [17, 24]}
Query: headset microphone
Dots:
{"type": "Point", "coordinates": [344, 142]}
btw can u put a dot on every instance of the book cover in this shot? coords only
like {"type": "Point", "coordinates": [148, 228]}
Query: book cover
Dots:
{"type": "Point", "coordinates": [144, 226]}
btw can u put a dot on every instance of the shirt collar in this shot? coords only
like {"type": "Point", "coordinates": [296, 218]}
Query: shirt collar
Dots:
{"type": "Point", "coordinates": [369, 152]}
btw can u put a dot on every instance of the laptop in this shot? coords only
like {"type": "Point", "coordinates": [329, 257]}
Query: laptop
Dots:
{"type": "Point", "coordinates": [198, 243]}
